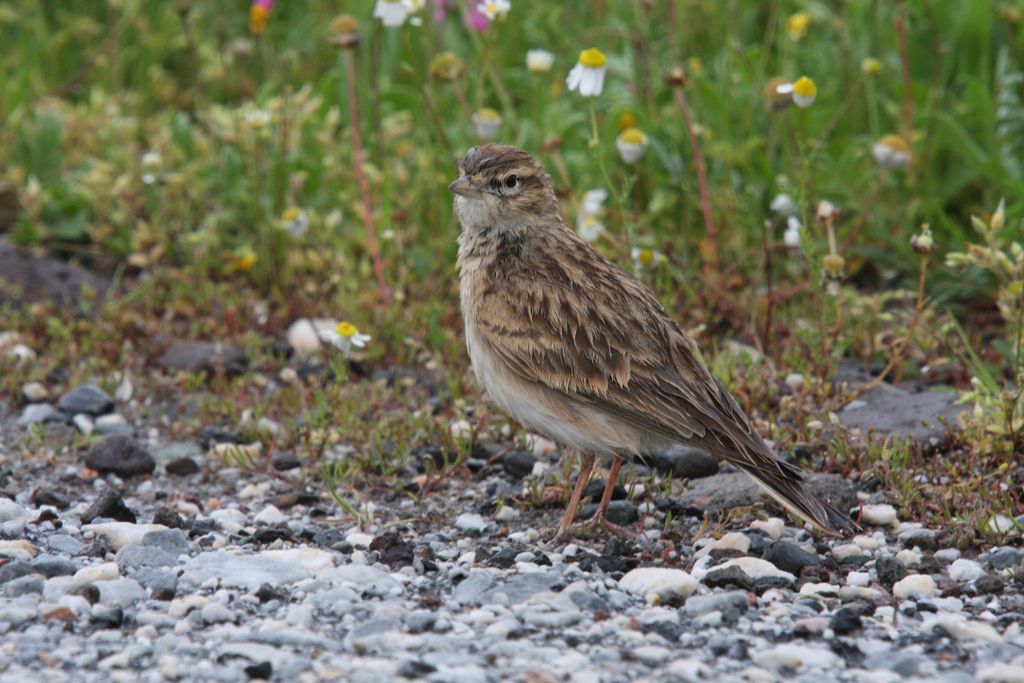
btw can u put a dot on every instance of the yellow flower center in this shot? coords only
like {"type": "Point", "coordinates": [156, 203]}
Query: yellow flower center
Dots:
{"type": "Point", "coordinates": [593, 58]}
{"type": "Point", "coordinates": [646, 257]}
{"type": "Point", "coordinates": [346, 329]}
{"type": "Point", "coordinates": [627, 119]}
{"type": "Point", "coordinates": [695, 66]}
{"type": "Point", "coordinates": [245, 262]}
{"type": "Point", "coordinates": [871, 66]}
{"type": "Point", "coordinates": [291, 214]}
{"type": "Point", "coordinates": [797, 25]}
{"type": "Point", "coordinates": [633, 136]}
{"type": "Point", "coordinates": [488, 114]}
{"type": "Point", "coordinates": [805, 87]}
{"type": "Point", "coordinates": [895, 142]}
{"type": "Point", "coordinates": [344, 23]}
{"type": "Point", "coordinates": [258, 16]}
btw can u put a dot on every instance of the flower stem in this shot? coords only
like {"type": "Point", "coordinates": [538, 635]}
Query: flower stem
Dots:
{"type": "Point", "coordinates": [711, 264]}
{"type": "Point", "coordinates": [364, 185]}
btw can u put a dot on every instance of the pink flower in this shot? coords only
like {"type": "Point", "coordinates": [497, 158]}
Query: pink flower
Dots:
{"type": "Point", "coordinates": [440, 10]}
{"type": "Point", "coordinates": [478, 21]}
{"type": "Point", "coordinates": [265, 4]}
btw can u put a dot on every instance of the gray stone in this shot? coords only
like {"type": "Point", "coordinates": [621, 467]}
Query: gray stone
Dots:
{"type": "Point", "coordinates": [683, 462]}
{"type": "Point", "coordinates": [62, 543]}
{"type": "Point", "coordinates": [157, 579]}
{"type": "Point", "coordinates": [24, 585]}
{"type": "Point", "coordinates": [420, 620]}
{"type": "Point", "coordinates": [176, 451]}
{"type": "Point", "coordinates": [86, 399]}
{"type": "Point", "coordinates": [52, 565]}
{"type": "Point", "coordinates": [171, 541]}
{"type": "Point", "coordinates": [790, 557]}
{"type": "Point", "coordinates": [121, 455]}
{"type": "Point", "coordinates": [728, 490]}
{"type": "Point", "coordinates": [1001, 558]}
{"type": "Point", "coordinates": [202, 356]}
{"type": "Point", "coordinates": [892, 411]}
{"type": "Point", "coordinates": [136, 556]}
{"type": "Point", "coordinates": [39, 278]}
{"type": "Point", "coordinates": [40, 413]}
{"type": "Point", "coordinates": [731, 604]}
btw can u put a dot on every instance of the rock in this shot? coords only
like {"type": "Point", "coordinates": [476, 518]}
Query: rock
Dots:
{"type": "Point", "coordinates": [29, 277]}
{"type": "Point", "coordinates": [730, 541]}
{"type": "Point", "coordinates": [889, 570]}
{"type": "Point", "coordinates": [1001, 672]}
{"type": "Point", "coordinates": [878, 515]}
{"type": "Point", "coordinates": [52, 565]}
{"type": "Point", "coordinates": [518, 464]}
{"type": "Point", "coordinates": [39, 413]}
{"type": "Point", "coordinates": [84, 423]}
{"type": "Point", "coordinates": [925, 539]}
{"type": "Point", "coordinates": [790, 557]}
{"type": "Point", "coordinates": [728, 490]}
{"type": "Point", "coordinates": [683, 462]}
{"type": "Point", "coordinates": [471, 523]}
{"type": "Point", "coordinates": [261, 671]}
{"type": "Point", "coordinates": [962, 628]}
{"type": "Point", "coordinates": [891, 411]}
{"type": "Point", "coordinates": [772, 527]}
{"type": "Point", "coordinates": [284, 461]}
{"type": "Point", "coordinates": [182, 467]}
{"type": "Point", "coordinates": [138, 556]}
{"type": "Point", "coordinates": [915, 586]}
{"type": "Point", "coordinates": [727, 578]}
{"type": "Point", "coordinates": [121, 455]}
{"type": "Point", "coordinates": [86, 399]}
{"type": "Point", "coordinates": [270, 515]}
{"type": "Point", "coordinates": [112, 423]}
{"type": "Point", "coordinates": [168, 518]}
{"type": "Point", "coordinates": [120, 534]}
{"type": "Point", "coordinates": [761, 571]}
{"type": "Point", "coordinates": [34, 392]}
{"type": "Point", "coordinates": [620, 512]}
{"type": "Point", "coordinates": [304, 335]}
{"type": "Point", "coordinates": [731, 604]}
{"type": "Point", "coordinates": [172, 541]}
{"type": "Point", "coordinates": [108, 504]}
{"type": "Point", "coordinates": [656, 584]}
{"type": "Point", "coordinates": [11, 511]}
{"type": "Point", "coordinates": [795, 657]}
{"type": "Point", "coordinates": [394, 550]}
{"type": "Point", "coordinates": [1003, 558]}
{"type": "Point", "coordinates": [989, 584]}
{"type": "Point", "coordinates": [845, 621]}
{"type": "Point", "coordinates": [965, 570]}
{"type": "Point", "coordinates": [595, 489]}
{"type": "Point", "coordinates": [202, 356]}
{"type": "Point", "coordinates": [251, 570]}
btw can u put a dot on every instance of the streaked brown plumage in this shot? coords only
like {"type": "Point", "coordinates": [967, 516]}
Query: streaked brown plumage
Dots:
{"type": "Point", "coordinates": [575, 348]}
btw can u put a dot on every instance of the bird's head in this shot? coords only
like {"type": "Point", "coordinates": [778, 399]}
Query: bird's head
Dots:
{"type": "Point", "coordinates": [499, 185]}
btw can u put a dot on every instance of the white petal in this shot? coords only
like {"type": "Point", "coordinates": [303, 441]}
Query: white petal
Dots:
{"type": "Point", "coordinates": [572, 81]}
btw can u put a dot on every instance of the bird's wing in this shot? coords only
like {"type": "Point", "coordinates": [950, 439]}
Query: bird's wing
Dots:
{"type": "Point", "coordinates": [577, 324]}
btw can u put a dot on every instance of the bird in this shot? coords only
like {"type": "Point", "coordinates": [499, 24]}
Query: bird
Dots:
{"type": "Point", "coordinates": [577, 349]}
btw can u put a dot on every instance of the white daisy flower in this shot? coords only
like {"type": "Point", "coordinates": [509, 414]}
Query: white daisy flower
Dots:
{"type": "Point", "coordinates": [892, 151]}
{"type": "Point", "coordinates": [539, 61]}
{"type": "Point", "coordinates": [257, 119]}
{"type": "Point", "coordinates": [593, 201]}
{"type": "Point", "coordinates": [631, 144]}
{"type": "Point", "coordinates": [345, 337]}
{"type": "Point", "coordinates": [494, 9]}
{"type": "Point", "coordinates": [486, 123]}
{"type": "Point", "coordinates": [151, 162]}
{"type": "Point", "coordinates": [783, 204]}
{"type": "Point", "coordinates": [646, 258]}
{"type": "Point", "coordinates": [804, 92]}
{"type": "Point", "coordinates": [791, 237]}
{"type": "Point", "coordinates": [295, 221]}
{"type": "Point", "coordinates": [589, 228]}
{"type": "Point", "coordinates": [587, 76]}
{"type": "Point", "coordinates": [391, 12]}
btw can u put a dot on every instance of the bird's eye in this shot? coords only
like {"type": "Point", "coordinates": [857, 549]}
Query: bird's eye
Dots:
{"type": "Point", "coordinates": [511, 181]}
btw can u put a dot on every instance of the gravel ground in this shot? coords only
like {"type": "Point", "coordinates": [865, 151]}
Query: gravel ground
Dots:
{"type": "Point", "coordinates": [166, 569]}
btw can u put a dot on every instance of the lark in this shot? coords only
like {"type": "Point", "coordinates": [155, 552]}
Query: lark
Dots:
{"type": "Point", "coordinates": [575, 348]}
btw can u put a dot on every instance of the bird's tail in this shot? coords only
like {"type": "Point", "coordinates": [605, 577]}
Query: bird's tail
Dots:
{"type": "Point", "coordinates": [785, 484]}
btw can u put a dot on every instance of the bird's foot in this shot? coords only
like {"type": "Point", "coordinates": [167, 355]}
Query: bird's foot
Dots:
{"type": "Point", "coordinates": [597, 523]}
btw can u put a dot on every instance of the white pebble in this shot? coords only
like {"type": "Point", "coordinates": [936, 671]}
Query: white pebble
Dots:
{"type": "Point", "coordinates": [858, 579]}
{"type": "Point", "coordinates": [909, 557]}
{"type": "Point", "coordinates": [841, 552]}
{"type": "Point", "coordinates": [656, 583]}
{"type": "Point", "coordinates": [507, 513]}
{"type": "Point", "coordinates": [1001, 672]}
{"type": "Point", "coordinates": [965, 570]}
{"type": "Point", "coordinates": [772, 526]}
{"type": "Point", "coordinates": [269, 515]}
{"type": "Point", "coordinates": [107, 571]}
{"type": "Point", "coordinates": [878, 515]}
{"type": "Point", "coordinates": [915, 586]}
{"type": "Point", "coordinates": [795, 381]}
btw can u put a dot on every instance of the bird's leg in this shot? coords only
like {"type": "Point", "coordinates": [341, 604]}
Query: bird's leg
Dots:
{"type": "Point", "coordinates": [601, 518]}
{"type": "Point", "coordinates": [586, 467]}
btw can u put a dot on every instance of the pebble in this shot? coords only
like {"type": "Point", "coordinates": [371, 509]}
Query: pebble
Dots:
{"type": "Point", "coordinates": [656, 584]}
{"type": "Point", "coordinates": [915, 586]}
{"type": "Point", "coordinates": [790, 557]}
{"type": "Point", "coordinates": [1001, 672]}
{"type": "Point", "coordinates": [39, 413]}
{"type": "Point", "coordinates": [878, 515]}
{"type": "Point", "coordinates": [471, 523]}
{"type": "Point", "coordinates": [270, 515]}
{"type": "Point", "coordinates": [796, 657]}
{"type": "Point", "coordinates": [772, 526]}
{"type": "Point", "coordinates": [119, 454]}
{"type": "Point", "coordinates": [730, 541]}
{"type": "Point", "coordinates": [965, 570]}
{"type": "Point", "coordinates": [87, 400]}
{"type": "Point", "coordinates": [35, 392]}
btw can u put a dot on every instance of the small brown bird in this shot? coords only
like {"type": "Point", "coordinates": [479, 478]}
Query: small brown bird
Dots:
{"type": "Point", "coordinates": [577, 349]}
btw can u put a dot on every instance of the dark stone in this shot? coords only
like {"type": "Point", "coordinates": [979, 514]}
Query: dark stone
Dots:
{"type": "Point", "coordinates": [268, 534]}
{"type": "Point", "coordinates": [394, 550]}
{"type": "Point", "coordinates": [121, 455]}
{"type": "Point", "coordinates": [158, 580]}
{"type": "Point", "coordinates": [930, 565]}
{"type": "Point", "coordinates": [25, 277]}
{"type": "Point", "coordinates": [989, 584]}
{"type": "Point", "coordinates": [52, 565]}
{"type": "Point", "coordinates": [284, 461]}
{"type": "Point", "coordinates": [506, 557]}
{"type": "Point", "coordinates": [42, 496]}
{"type": "Point", "coordinates": [434, 457]}
{"type": "Point", "coordinates": [290, 499]}
{"type": "Point", "coordinates": [759, 541]}
{"type": "Point", "coordinates": [729, 577]}
{"type": "Point", "coordinates": [89, 592]}
{"type": "Point", "coordinates": [620, 512]}
{"type": "Point", "coordinates": [267, 592]}
{"type": "Point", "coordinates": [109, 504]}
{"type": "Point", "coordinates": [169, 518]}
{"type": "Point", "coordinates": [24, 585]}
{"type": "Point", "coordinates": [416, 669]}
{"type": "Point", "coordinates": [518, 464]}
{"type": "Point", "coordinates": [845, 621]}
{"type": "Point", "coordinates": [590, 601]}
{"type": "Point", "coordinates": [892, 411]}
{"type": "Point", "coordinates": [619, 547]}
{"type": "Point", "coordinates": [728, 490]}
{"type": "Point", "coordinates": [669, 630]}
{"type": "Point", "coordinates": [682, 462]}
{"type": "Point", "coordinates": [889, 570]}
{"type": "Point", "coordinates": [208, 436]}
{"type": "Point", "coordinates": [926, 539]}
{"type": "Point", "coordinates": [604, 563]}
{"type": "Point", "coordinates": [202, 356]}
{"type": "Point", "coordinates": [790, 557]}
{"type": "Point", "coordinates": [332, 538]}
{"type": "Point", "coordinates": [182, 467]}
{"type": "Point", "coordinates": [595, 489]}
{"type": "Point", "coordinates": [261, 671]}
{"type": "Point", "coordinates": [86, 399]}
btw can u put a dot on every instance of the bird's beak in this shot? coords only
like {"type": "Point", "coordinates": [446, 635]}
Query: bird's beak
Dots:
{"type": "Point", "coordinates": [463, 187]}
